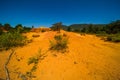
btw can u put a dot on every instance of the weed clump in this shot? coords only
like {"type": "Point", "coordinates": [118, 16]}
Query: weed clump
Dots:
{"type": "Point", "coordinates": [113, 38]}
{"type": "Point", "coordinates": [11, 39]}
{"type": "Point", "coordinates": [35, 60]}
{"type": "Point", "coordinates": [59, 43]}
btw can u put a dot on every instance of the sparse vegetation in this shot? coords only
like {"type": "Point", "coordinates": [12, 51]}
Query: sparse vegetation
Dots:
{"type": "Point", "coordinates": [113, 38]}
{"type": "Point", "coordinates": [34, 60]}
{"type": "Point", "coordinates": [59, 43]}
{"type": "Point", "coordinates": [57, 27]}
{"type": "Point", "coordinates": [111, 31]}
{"type": "Point", "coordinates": [1, 32]}
{"type": "Point", "coordinates": [11, 39]}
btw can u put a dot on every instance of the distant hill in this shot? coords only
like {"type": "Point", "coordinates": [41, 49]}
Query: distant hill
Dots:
{"type": "Point", "coordinates": [64, 27]}
{"type": "Point", "coordinates": [81, 26]}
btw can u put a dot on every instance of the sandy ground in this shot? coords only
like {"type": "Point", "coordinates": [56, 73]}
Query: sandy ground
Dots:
{"type": "Point", "coordinates": [87, 58]}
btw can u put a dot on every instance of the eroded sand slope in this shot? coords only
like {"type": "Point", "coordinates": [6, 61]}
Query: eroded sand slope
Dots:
{"type": "Point", "coordinates": [87, 58]}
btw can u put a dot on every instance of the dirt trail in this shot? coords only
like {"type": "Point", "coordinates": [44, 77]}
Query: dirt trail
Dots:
{"type": "Point", "coordinates": [88, 58]}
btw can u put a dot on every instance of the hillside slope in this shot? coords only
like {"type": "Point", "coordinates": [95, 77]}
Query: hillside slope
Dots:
{"type": "Point", "coordinates": [87, 58]}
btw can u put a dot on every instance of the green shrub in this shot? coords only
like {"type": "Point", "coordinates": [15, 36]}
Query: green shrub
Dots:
{"type": "Point", "coordinates": [114, 38]}
{"type": "Point", "coordinates": [34, 68]}
{"type": "Point", "coordinates": [110, 37]}
{"type": "Point", "coordinates": [33, 60]}
{"type": "Point", "coordinates": [1, 32]}
{"type": "Point", "coordinates": [25, 30]}
{"type": "Point", "coordinates": [60, 42]}
{"type": "Point", "coordinates": [11, 39]}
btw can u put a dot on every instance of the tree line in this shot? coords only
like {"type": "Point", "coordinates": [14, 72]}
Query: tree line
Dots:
{"type": "Point", "coordinates": [110, 32]}
{"type": "Point", "coordinates": [111, 28]}
{"type": "Point", "coordinates": [8, 28]}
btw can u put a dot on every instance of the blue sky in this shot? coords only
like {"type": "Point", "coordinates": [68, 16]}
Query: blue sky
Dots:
{"type": "Point", "coordinates": [48, 12]}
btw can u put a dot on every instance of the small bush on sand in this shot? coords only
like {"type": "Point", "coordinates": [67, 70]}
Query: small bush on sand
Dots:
{"type": "Point", "coordinates": [113, 38]}
{"type": "Point", "coordinates": [60, 42]}
{"type": "Point", "coordinates": [11, 39]}
{"type": "Point", "coordinates": [35, 60]}
{"type": "Point", "coordinates": [32, 60]}
{"type": "Point", "coordinates": [110, 37]}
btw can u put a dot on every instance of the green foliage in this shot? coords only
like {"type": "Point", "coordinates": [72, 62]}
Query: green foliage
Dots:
{"type": "Point", "coordinates": [7, 26]}
{"type": "Point", "coordinates": [60, 42]}
{"type": "Point", "coordinates": [113, 27]}
{"type": "Point", "coordinates": [34, 68]}
{"type": "Point", "coordinates": [19, 28]}
{"type": "Point", "coordinates": [109, 32]}
{"type": "Point", "coordinates": [57, 26]}
{"type": "Point", "coordinates": [93, 29]}
{"type": "Point", "coordinates": [23, 77]}
{"type": "Point", "coordinates": [29, 74]}
{"type": "Point", "coordinates": [109, 37]}
{"type": "Point", "coordinates": [1, 32]}
{"type": "Point", "coordinates": [8, 40]}
{"type": "Point", "coordinates": [86, 28]}
{"type": "Point", "coordinates": [69, 29]}
{"type": "Point", "coordinates": [113, 38]}
{"type": "Point", "coordinates": [25, 29]}
{"type": "Point", "coordinates": [37, 58]}
{"type": "Point", "coordinates": [77, 30]}
{"type": "Point", "coordinates": [32, 60]}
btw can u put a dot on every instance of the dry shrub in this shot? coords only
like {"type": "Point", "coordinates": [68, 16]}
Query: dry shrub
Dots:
{"type": "Point", "coordinates": [60, 43]}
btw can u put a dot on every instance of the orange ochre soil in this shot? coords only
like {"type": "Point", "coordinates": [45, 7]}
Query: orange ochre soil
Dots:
{"type": "Point", "coordinates": [86, 58]}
